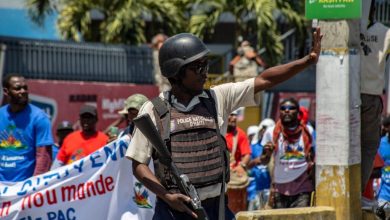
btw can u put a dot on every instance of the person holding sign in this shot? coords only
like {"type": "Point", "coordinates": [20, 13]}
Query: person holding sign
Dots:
{"type": "Point", "coordinates": [79, 144]}
{"type": "Point", "coordinates": [25, 134]}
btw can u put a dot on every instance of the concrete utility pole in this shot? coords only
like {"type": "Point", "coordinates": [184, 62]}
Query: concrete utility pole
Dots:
{"type": "Point", "coordinates": [338, 175]}
{"type": "Point", "coordinates": [338, 148]}
{"type": "Point", "coordinates": [338, 119]}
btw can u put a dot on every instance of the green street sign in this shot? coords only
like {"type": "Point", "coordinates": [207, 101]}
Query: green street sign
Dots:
{"type": "Point", "coordinates": [333, 9]}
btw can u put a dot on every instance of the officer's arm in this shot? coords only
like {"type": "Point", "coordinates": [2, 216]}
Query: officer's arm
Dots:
{"type": "Point", "coordinates": [275, 75]}
{"type": "Point", "coordinates": [145, 176]}
{"type": "Point", "coordinates": [43, 160]}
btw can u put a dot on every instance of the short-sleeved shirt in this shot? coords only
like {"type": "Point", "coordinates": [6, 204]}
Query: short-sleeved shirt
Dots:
{"type": "Point", "coordinates": [261, 178]}
{"type": "Point", "coordinates": [21, 133]}
{"type": "Point", "coordinates": [76, 146]}
{"type": "Point", "coordinates": [291, 165]}
{"type": "Point", "coordinates": [375, 45]}
{"type": "Point", "coordinates": [243, 147]}
{"type": "Point", "coordinates": [228, 97]}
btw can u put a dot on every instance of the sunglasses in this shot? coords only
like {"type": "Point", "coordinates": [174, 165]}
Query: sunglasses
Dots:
{"type": "Point", "coordinates": [201, 67]}
{"type": "Point", "coordinates": [288, 107]}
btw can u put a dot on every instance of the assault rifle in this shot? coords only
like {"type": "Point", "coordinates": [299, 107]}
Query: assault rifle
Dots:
{"type": "Point", "coordinates": [145, 125]}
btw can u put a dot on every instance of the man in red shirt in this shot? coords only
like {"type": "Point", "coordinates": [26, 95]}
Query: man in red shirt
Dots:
{"type": "Point", "coordinates": [79, 144]}
{"type": "Point", "coordinates": [238, 145]}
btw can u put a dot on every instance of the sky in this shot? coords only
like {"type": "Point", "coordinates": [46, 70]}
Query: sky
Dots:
{"type": "Point", "coordinates": [16, 23]}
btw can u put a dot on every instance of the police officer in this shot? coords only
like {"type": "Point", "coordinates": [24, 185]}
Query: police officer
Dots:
{"type": "Point", "coordinates": [192, 128]}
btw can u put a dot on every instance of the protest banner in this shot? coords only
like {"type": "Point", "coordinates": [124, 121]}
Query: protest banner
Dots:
{"type": "Point", "coordinates": [100, 186]}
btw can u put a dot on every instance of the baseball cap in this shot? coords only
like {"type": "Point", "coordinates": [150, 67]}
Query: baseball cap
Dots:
{"type": "Point", "coordinates": [134, 101]}
{"type": "Point", "coordinates": [268, 122]}
{"type": "Point", "coordinates": [252, 130]}
{"type": "Point", "coordinates": [88, 109]}
{"type": "Point", "coordinates": [64, 125]}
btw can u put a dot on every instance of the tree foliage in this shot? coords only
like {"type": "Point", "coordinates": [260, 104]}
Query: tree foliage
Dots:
{"type": "Point", "coordinates": [261, 14]}
{"type": "Point", "coordinates": [123, 21]}
{"type": "Point", "coordinates": [38, 9]}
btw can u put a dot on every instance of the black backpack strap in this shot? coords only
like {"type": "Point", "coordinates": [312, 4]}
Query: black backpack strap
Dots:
{"type": "Point", "coordinates": [210, 105]}
{"type": "Point", "coordinates": [163, 120]}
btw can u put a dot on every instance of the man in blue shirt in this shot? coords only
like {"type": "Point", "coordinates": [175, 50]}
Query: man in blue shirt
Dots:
{"type": "Point", "coordinates": [25, 134]}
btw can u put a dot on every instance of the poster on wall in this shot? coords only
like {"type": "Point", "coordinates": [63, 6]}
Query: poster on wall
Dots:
{"type": "Point", "coordinates": [62, 99]}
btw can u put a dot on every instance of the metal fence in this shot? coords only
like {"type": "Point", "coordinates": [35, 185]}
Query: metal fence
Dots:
{"type": "Point", "coordinates": [383, 11]}
{"type": "Point", "coordinates": [58, 60]}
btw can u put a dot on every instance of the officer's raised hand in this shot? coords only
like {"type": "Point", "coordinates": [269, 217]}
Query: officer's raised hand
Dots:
{"type": "Point", "coordinates": [316, 49]}
{"type": "Point", "coordinates": [277, 74]}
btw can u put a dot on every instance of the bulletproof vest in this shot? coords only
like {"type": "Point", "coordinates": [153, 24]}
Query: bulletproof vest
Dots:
{"type": "Point", "coordinates": [193, 143]}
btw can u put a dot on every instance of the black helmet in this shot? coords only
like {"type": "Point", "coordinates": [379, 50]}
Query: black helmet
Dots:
{"type": "Point", "coordinates": [178, 51]}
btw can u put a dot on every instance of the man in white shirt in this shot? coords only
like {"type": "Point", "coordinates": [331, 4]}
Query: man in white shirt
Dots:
{"type": "Point", "coordinates": [195, 145]}
{"type": "Point", "coordinates": [375, 45]}
{"type": "Point", "coordinates": [291, 143]}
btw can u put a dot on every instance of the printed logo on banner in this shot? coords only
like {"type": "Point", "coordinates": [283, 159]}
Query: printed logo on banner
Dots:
{"type": "Point", "coordinates": [141, 196]}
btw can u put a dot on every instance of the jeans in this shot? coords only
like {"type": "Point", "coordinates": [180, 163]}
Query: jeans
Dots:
{"type": "Point", "coordinates": [370, 134]}
{"type": "Point", "coordinates": [260, 200]}
{"type": "Point", "coordinates": [162, 210]}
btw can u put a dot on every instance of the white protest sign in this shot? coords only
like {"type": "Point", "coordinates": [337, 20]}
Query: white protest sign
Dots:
{"type": "Point", "coordinates": [99, 186]}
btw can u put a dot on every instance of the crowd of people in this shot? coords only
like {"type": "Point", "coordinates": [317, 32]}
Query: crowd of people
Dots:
{"type": "Point", "coordinates": [278, 157]}
{"type": "Point", "coordinates": [274, 159]}
{"type": "Point", "coordinates": [250, 152]}
{"type": "Point", "coordinates": [192, 122]}
{"type": "Point", "coordinates": [27, 144]}
{"type": "Point", "coordinates": [272, 164]}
